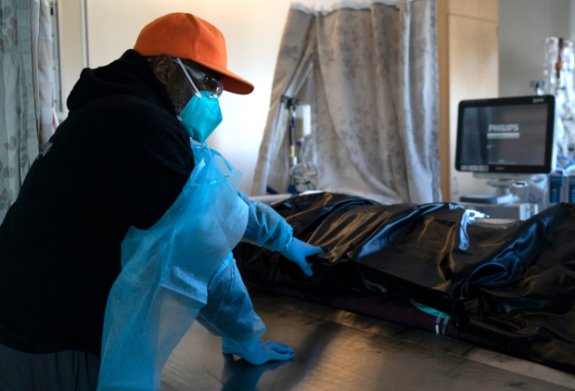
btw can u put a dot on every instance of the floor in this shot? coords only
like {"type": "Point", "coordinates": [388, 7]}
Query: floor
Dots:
{"type": "Point", "coordinates": [339, 350]}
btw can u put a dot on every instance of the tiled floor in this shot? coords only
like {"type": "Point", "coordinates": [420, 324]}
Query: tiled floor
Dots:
{"type": "Point", "coordinates": [338, 350]}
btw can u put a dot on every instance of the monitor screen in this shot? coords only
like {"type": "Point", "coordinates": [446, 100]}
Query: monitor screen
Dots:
{"type": "Point", "coordinates": [506, 135]}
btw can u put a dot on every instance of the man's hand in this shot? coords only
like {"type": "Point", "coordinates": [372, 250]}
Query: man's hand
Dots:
{"type": "Point", "coordinates": [258, 352]}
{"type": "Point", "coordinates": [297, 251]}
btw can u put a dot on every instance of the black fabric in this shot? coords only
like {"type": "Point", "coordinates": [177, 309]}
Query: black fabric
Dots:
{"type": "Point", "coordinates": [119, 159]}
{"type": "Point", "coordinates": [511, 287]}
{"type": "Point", "coordinates": [68, 370]}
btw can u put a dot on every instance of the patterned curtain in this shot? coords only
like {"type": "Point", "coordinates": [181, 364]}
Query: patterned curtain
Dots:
{"type": "Point", "coordinates": [368, 69]}
{"type": "Point", "coordinates": [26, 90]}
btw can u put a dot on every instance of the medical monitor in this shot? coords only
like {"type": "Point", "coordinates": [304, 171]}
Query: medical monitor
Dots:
{"type": "Point", "coordinates": [506, 136]}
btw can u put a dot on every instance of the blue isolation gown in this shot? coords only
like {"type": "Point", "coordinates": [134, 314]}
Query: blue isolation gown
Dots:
{"type": "Point", "coordinates": [182, 269]}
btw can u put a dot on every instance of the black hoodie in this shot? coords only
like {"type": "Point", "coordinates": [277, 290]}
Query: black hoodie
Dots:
{"type": "Point", "coordinates": [120, 159]}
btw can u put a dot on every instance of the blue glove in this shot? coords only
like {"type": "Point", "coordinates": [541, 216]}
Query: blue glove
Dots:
{"type": "Point", "coordinates": [297, 251]}
{"type": "Point", "coordinates": [241, 375]}
{"type": "Point", "coordinates": [258, 352]}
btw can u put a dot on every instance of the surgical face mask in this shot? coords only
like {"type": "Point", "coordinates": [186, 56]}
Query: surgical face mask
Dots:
{"type": "Point", "coordinates": [202, 114]}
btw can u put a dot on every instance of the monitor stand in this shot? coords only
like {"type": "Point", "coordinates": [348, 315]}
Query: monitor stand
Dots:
{"type": "Point", "coordinates": [503, 204]}
{"type": "Point", "coordinates": [501, 196]}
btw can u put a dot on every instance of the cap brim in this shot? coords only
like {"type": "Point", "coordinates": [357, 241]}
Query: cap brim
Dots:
{"type": "Point", "coordinates": [236, 84]}
{"type": "Point", "coordinates": [231, 81]}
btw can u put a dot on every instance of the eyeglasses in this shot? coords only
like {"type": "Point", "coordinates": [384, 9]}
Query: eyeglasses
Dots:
{"type": "Point", "coordinates": [206, 82]}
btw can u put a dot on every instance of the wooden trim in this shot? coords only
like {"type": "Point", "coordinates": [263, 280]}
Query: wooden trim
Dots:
{"type": "Point", "coordinates": [443, 80]}
{"type": "Point", "coordinates": [479, 9]}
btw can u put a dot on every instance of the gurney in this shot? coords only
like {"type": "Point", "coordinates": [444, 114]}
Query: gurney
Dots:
{"type": "Point", "coordinates": [508, 287]}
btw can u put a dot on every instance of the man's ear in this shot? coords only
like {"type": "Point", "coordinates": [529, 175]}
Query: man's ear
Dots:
{"type": "Point", "coordinates": [162, 67]}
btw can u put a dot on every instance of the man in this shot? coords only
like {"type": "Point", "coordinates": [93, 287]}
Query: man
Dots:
{"type": "Point", "coordinates": [122, 217]}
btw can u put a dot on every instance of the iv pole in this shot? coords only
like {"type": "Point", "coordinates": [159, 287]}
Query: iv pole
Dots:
{"type": "Point", "coordinates": [291, 105]}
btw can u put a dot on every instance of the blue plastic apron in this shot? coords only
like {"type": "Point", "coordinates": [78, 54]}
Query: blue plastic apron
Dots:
{"type": "Point", "coordinates": [165, 274]}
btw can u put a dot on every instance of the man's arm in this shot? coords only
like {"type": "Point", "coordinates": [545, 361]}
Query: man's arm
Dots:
{"type": "Point", "coordinates": [230, 314]}
{"type": "Point", "coordinates": [269, 229]}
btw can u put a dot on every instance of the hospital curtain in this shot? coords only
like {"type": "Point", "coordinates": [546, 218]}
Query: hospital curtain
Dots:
{"type": "Point", "coordinates": [26, 90]}
{"type": "Point", "coordinates": [368, 69]}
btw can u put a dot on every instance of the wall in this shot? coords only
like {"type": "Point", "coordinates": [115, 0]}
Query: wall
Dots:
{"type": "Point", "coordinates": [523, 27]}
{"type": "Point", "coordinates": [72, 46]}
{"type": "Point", "coordinates": [253, 30]}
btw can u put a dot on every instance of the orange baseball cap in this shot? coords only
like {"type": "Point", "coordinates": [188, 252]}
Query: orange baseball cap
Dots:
{"type": "Point", "coordinates": [189, 37]}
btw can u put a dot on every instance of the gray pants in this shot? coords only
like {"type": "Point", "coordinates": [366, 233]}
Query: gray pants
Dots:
{"type": "Point", "coordinates": [69, 370]}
